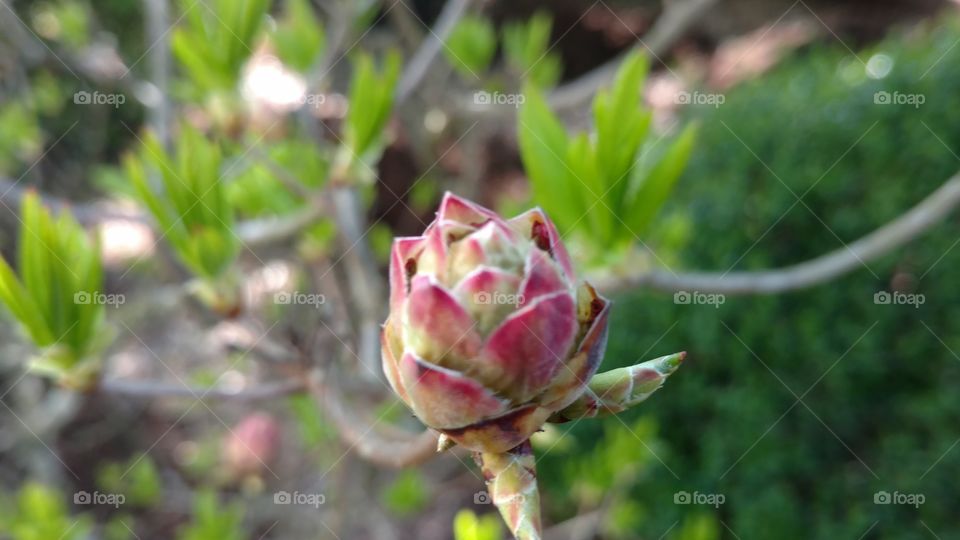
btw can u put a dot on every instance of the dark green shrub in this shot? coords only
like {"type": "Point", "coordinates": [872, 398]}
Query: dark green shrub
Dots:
{"type": "Point", "coordinates": [887, 397]}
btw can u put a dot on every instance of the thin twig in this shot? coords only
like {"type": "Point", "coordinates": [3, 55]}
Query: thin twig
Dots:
{"type": "Point", "coordinates": [142, 389]}
{"type": "Point", "coordinates": [12, 192]}
{"type": "Point", "coordinates": [432, 45]}
{"type": "Point", "coordinates": [676, 19]}
{"type": "Point", "coordinates": [260, 232]}
{"type": "Point", "coordinates": [252, 232]}
{"type": "Point", "coordinates": [364, 438]}
{"type": "Point", "coordinates": [405, 23]}
{"type": "Point", "coordinates": [282, 174]}
{"type": "Point", "coordinates": [919, 219]}
{"type": "Point", "coordinates": [366, 290]}
{"type": "Point", "coordinates": [156, 14]}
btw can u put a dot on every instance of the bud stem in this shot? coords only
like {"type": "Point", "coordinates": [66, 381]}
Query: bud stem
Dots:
{"type": "Point", "coordinates": [512, 483]}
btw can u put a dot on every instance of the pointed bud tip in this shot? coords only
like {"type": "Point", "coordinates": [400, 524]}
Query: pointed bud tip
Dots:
{"type": "Point", "coordinates": [671, 362]}
{"type": "Point", "coordinates": [444, 443]}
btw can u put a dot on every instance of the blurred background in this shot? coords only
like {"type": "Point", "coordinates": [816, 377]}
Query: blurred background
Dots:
{"type": "Point", "coordinates": [778, 132]}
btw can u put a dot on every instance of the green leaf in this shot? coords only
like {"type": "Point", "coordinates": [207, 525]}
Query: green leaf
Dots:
{"type": "Point", "coordinates": [652, 189]}
{"type": "Point", "coordinates": [543, 149]}
{"type": "Point", "coordinates": [191, 203]}
{"type": "Point", "coordinates": [371, 101]}
{"type": "Point", "coordinates": [622, 125]}
{"type": "Point", "coordinates": [22, 306]}
{"type": "Point", "coordinates": [526, 48]}
{"type": "Point", "coordinates": [57, 298]}
{"type": "Point", "coordinates": [213, 42]}
{"type": "Point", "coordinates": [471, 46]}
{"type": "Point", "coordinates": [299, 36]}
{"type": "Point", "coordinates": [35, 256]}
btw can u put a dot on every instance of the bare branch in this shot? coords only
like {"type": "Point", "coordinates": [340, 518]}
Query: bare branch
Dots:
{"type": "Point", "coordinates": [676, 19]}
{"type": "Point", "coordinates": [156, 15]}
{"type": "Point", "coordinates": [396, 449]}
{"type": "Point", "coordinates": [453, 10]}
{"type": "Point", "coordinates": [922, 217]}
{"type": "Point", "coordinates": [363, 279]}
{"type": "Point", "coordinates": [11, 193]}
{"type": "Point", "coordinates": [253, 232]}
{"type": "Point", "coordinates": [142, 389]}
{"type": "Point", "coordinates": [408, 26]}
{"type": "Point", "coordinates": [259, 232]}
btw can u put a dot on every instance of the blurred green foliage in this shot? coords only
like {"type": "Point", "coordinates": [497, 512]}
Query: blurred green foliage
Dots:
{"type": "Point", "coordinates": [21, 134]}
{"type": "Point", "coordinates": [471, 46]}
{"type": "Point", "coordinates": [137, 479]}
{"type": "Point", "coordinates": [526, 47]}
{"type": "Point", "coordinates": [39, 513]}
{"type": "Point", "coordinates": [64, 21]}
{"type": "Point", "coordinates": [527, 53]}
{"type": "Point", "coordinates": [298, 36]}
{"type": "Point", "coordinates": [315, 430]}
{"type": "Point", "coordinates": [880, 414]}
{"type": "Point", "coordinates": [58, 297]}
{"type": "Point", "coordinates": [467, 526]}
{"type": "Point", "coordinates": [258, 190]}
{"type": "Point", "coordinates": [371, 102]}
{"type": "Point", "coordinates": [215, 39]}
{"type": "Point", "coordinates": [192, 208]}
{"type": "Point", "coordinates": [407, 494]}
{"type": "Point", "coordinates": [213, 520]}
{"type": "Point", "coordinates": [607, 186]}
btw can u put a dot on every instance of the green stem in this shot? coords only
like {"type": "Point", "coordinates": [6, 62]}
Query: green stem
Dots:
{"type": "Point", "coordinates": [512, 483]}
